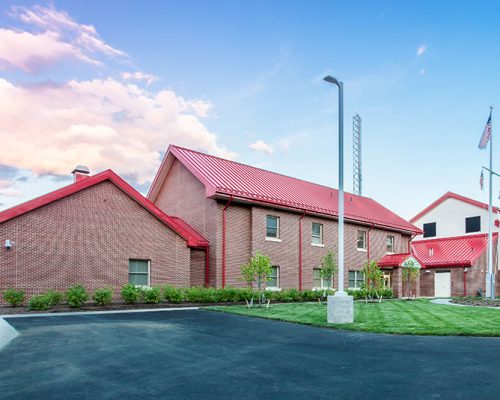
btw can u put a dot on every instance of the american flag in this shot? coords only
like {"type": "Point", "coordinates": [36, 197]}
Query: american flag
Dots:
{"type": "Point", "coordinates": [486, 134]}
{"type": "Point", "coordinates": [481, 180]}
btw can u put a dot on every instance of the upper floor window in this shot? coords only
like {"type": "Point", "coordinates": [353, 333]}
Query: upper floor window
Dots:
{"type": "Point", "coordinates": [272, 227]}
{"type": "Point", "coordinates": [317, 233]}
{"type": "Point", "coordinates": [472, 224]}
{"type": "Point", "coordinates": [390, 244]}
{"type": "Point", "coordinates": [430, 229]}
{"type": "Point", "coordinates": [361, 242]}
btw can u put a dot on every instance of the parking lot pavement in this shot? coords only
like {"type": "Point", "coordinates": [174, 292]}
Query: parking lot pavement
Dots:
{"type": "Point", "coordinates": [197, 354]}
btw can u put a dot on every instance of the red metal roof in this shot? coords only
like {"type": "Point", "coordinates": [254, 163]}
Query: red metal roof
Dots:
{"type": "Point", "coordinates": [225, 177]}
{"type": "Point", "coordinates": [193, 238]}
{"type": "Point", "coordinates": [451, 195]}
{"type": "Point", "coordinates": [393, 260]}
{"type": "Point", "coordinates": [451, 251]}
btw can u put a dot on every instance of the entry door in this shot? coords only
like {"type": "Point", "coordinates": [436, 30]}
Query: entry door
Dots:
{"type": "Point", "coordinates": [442, 284]}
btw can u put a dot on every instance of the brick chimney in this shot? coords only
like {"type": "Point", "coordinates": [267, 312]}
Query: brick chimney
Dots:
{"type": "Point", "coordinates": [80, 173]}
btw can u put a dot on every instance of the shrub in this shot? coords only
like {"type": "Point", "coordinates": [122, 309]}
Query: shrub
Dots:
{"type": "Point", "coordinates": [54, 297]}
{"type": "Point", "coordinates": [76, 296]}
{"type": "Point", "coordinates": [200, 295]}
{"type": "Point", "coordinates": [152, 295]}
{"type": "Point", "coordinates": [130, 293]}
{"type": "Point", "coordinates": [103, 296]}
{"type": "Point", "coordinates": [39, 302]}
{"type": "Point", "coordinates": [172, 294]}
{"type": "Point", "coordinates": [230, 294]}
{"type": "Point", "coordinates": [14, 297]}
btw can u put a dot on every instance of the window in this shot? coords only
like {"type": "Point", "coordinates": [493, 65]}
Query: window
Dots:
{"type": "Point", "coordinates": [356, 279]}
{"type": "Point", "coordinates": [274, 278]}
{"type": "Point", "coordinates": [361, 243]}
{"type": "Point", "coordinates": [390, 244]}
{"type": "Point", "coordinates": [272, 227]}
{"type": "Point", "coordinates": [472, 224]}
{"type": "Point", "coordinates": [138, 272]}
{"type": "Point", "coordinates": [430, 229]}
{"type": "Point", "coordinates": [318, 281]}
{"type": "Point", "coordinates": [317, 233]}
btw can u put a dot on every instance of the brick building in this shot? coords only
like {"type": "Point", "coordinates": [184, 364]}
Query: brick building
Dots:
{"type": "Point", "coordinates": [240, 209]}
{"type": "Point", "coordinates": [98, 231]}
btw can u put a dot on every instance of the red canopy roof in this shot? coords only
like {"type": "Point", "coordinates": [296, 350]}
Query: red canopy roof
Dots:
{"type": "Point", "coordinates": [225, 177]}
{"type": "Point", "coordinates": [460, 251]}
{"type": "Point", "coordinates": [193, 238]}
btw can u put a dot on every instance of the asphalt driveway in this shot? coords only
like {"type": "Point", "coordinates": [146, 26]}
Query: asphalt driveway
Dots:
{"type": "Point", "coordinates": [196, 354]}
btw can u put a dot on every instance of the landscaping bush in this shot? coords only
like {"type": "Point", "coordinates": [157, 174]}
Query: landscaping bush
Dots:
{"type": "Point", "coordinates": [130, 293]}
{"type": "Point", "coordinates": [76, 296]}
{"type": "Point", "coordinates": [173, 294]}
{"type": "Point", "coordinates": [39, 302]}
{"type": "Point", "coordinates": [54, 297]}
{"type": "Point", "coordinates": [14, 297]}
{"type": "Point", "coordinates": [103, 296]}
{"type": "Point", "coordinates": [200, 295]}
{"type": "Point", "coordinates": [361, 294]}
{"type": "Point", "coordinates": [152, 295]}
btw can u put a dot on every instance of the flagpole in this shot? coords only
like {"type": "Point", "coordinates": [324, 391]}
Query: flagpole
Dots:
{"type": "Point", "coordinates": [490, 278]}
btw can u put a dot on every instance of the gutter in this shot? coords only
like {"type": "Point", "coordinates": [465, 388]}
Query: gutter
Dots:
{"type": "Point", "coordinates": [224, 241]}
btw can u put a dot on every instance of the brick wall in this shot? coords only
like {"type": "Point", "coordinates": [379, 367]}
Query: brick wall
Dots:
{"type": "Point", "coordinates": [197, 268]}
{"type": "Point", "coordinates": [183, 195]}
{"type": "Point", "coordinates": [88, 238]}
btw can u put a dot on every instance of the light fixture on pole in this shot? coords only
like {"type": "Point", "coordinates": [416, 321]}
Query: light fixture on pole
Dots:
{"type": "Point", "coordinates": [340, 306]}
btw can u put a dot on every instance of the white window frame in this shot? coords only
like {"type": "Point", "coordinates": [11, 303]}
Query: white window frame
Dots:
{"type": "Point", "coordinates": [356, 279]}
{"type": "Point", "coordinates": [138, 273]}
{"type": "Point", "coordinates": [277, 287]}
{"type": "Point", "coordinates": [322, 281]}
{"type": "Point", "coordinates": [364, 248]}
{"type": "Point", "coordinates": [392, 244]}
{"type": "Point", "coordinates": [278, 229]}
{"type": "Point", "coordinates": [321, 244]}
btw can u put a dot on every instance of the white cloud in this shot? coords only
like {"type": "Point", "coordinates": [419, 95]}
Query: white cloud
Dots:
{"type": "Point", "coordinates": [139, 76]}
{"type": "Point", "coordinates": [422, 49]}
{"type": "Point", "coordinates": [55, 36]}
{"type": "Point", "coordinates": [8, 189]}
{"type": "Point", "coordinates": [99, 123]}
{"type": "Point", "coordinates": [262, 147]}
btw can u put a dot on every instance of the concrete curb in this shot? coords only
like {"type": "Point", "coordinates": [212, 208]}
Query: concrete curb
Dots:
{"type": "Point", "coordinates": [65, 314]}
{"type": "Point", "coordinates": [7, 333]}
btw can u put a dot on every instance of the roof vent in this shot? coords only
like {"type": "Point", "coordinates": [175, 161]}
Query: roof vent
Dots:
{"type": "Point", "coordinates": [80, 172]}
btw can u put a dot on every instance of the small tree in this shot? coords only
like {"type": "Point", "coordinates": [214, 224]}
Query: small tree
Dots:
{"type": "Point", "coordinates": [373, 280]}
{"type": "Point", "coordinates": [410, 272]}
{"type": "Point", "coordinates": [257, 270]}
{"type": "Point", "coordinates": [328, 269]}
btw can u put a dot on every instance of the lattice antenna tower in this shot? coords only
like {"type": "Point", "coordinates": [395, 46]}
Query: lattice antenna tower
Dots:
{"type": "Point", "coordinates": [357, 177]}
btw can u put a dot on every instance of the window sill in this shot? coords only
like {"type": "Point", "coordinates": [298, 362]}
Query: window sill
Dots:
{"type": "Point", "coordinates": [363, 250]}
{"type": "Point", "coordinates": [390, 252]}
{"type": "Point", "coordinates": [317, 245]}
{"type": "Point", "coordinates": [273, 289]}
{"type": "Point", "coordinates": [270, 239]}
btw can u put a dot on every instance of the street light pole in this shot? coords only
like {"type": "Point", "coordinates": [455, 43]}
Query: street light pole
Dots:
{"type": "Point", "coordinates": [340, 306]}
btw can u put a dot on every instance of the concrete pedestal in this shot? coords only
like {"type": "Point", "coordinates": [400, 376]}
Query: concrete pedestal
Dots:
{"type": "Point", "coordinates": [340, 309]}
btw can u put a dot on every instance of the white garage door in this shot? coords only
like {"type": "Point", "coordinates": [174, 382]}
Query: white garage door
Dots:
{"type": "Point", "coordinates": [442, 284]}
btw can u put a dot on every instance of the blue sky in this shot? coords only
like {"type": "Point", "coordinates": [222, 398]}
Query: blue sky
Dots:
{"type": "Point", "coordinates": [220, 76]}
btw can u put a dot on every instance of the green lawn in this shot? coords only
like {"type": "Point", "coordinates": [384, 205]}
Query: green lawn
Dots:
{"type": "Point", "coordinates": [418, 317]}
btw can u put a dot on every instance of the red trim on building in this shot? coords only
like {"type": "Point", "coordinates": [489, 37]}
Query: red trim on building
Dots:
{"type": "Point", "coordinates": [193, 238]}
{"type": "Point", "coordinates": [451, 195]}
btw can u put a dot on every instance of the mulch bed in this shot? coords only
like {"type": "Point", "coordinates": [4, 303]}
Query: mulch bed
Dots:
{"type": "Point", "coordinates": [5, 310]}
{"type": "Point", "coordinates": [477, 302]}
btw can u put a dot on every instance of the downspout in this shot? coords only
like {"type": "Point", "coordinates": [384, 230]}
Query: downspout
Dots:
{"type": "Point", "coordinates": [224, 241]}
{"type": "Point", "coordinates": [300, 250]}
{"type": "Point", "coordinates": [368, 242]}
{"type": "Point", "coordinates": [207, 266]}
{"type": "Point", "coordinates": [465, 281]}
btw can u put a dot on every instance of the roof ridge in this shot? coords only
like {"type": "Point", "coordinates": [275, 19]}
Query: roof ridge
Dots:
{"type": "Point", "coordinates": [266, 170]}
{"type": "Point", "coordinates": [449, 238]}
